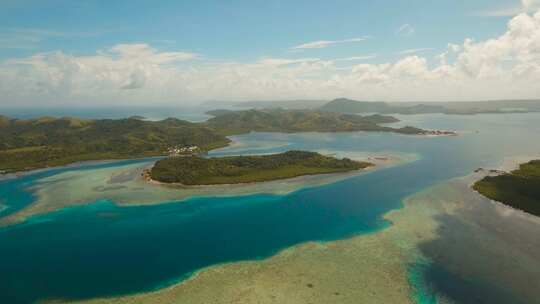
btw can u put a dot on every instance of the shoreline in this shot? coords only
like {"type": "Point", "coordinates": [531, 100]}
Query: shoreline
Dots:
{"type": "Point", "coordinates": [507, 165]}
{"type": "Point", "coordinates": [74, 165]}
{"type": "Point", "coordinates": [376, 163]}
{"type": "Point", "coordinates": [302, 262]}
{"type": "Point", "coordinates": [4, 175]}
{"type": "Point", "coordinates": [146, 176]}
{"type": "Point", "coordinates": [125, 186]}
{"type": "Point", "coordinates": [385, 257]}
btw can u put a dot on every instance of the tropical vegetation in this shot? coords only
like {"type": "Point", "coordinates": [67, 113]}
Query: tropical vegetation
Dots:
{"type": "Point", "coordinates": [519, 189]}
{"type": "Point", "coordinates": [195, 170]}
{"type": "Point", "coordinates": [36, 143]}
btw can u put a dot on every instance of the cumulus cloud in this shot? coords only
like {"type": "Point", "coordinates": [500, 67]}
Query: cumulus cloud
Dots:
{"type": "Point", "coordinates": [321, 44]}
{"type": "Point", "coordinates": [506, 66]}
{"type": "Point", "coordinates": [283, 61]}
{"type": "Point", "coordinates": [59, 77]}
{"type": "Point", "coordinates": [524, 6]}
{"type": "Point", "coordinates": [136, 81]}
{"type": "Point", "coordinates": [143, 52]}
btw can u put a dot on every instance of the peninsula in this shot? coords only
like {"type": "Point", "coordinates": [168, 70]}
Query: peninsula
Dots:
{"type": "Point", "coordinates": [195, 170]}
{"type": "Point", "coordinates": [519, 189]}
{"type": "Point", "coordinates": [27, 144]}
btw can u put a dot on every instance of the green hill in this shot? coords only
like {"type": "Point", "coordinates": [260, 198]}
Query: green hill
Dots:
{"type": "Point", "coordinates": [37, 143]}
{"type": "Point", "coordinates": [290, 121]}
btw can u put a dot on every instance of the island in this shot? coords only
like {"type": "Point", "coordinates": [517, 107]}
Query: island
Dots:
{"type": "Point", "coordinates": [344, 105]}
{"type": "Point", "coordinates": [196, 170]}
{"type": "Point", "coordinates": [292, 121]}
{"type": "Point", "coordinates": [519, 189]}
{"type": "Point", "coordinates": [27, 144]}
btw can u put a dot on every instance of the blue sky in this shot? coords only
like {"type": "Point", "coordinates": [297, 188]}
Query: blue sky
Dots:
{"type": "Point", "coordinates": [346, 32]}
{"type": "Point", "coordinates": [244, 30]}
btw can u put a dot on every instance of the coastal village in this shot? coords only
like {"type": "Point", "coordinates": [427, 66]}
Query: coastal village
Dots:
{"type": "Point", "coordinates": [440, 133]}
{"type": "Point", "coordinates": [174, 151]}
{"type": "Point", "coordinates": [183, 151]}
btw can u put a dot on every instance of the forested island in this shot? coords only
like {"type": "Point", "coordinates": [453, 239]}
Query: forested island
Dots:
{"type": "Point", "coordinates": [27, 144]}
{"type": "Point", "coordinates": [195, 170]}
{"type": "Point", "coordinates": [291, 121]}
{"type": "Point", "coordinates": [519, 189]}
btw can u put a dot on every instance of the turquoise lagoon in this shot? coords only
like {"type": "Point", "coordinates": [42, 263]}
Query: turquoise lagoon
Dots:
{"type": "Point", "coordinates": [102, 249]}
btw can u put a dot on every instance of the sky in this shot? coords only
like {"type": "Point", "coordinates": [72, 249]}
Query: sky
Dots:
{"type": "Point", "coordinates": [99, 53]}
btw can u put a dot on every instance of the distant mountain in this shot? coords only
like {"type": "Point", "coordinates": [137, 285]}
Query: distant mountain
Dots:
{"type": "Point", "coordinates": [218, 112]}
{"type": "Point", "coordinates": [47, 141]}
{"type": "Point", "coordinates": [283, 104]}
{"type": "Point", "coordinates": [493, 106]}
{"type": "Point", "coordinates": [344, 105]}
{"type": "Point", "coordinates": [138, 117]}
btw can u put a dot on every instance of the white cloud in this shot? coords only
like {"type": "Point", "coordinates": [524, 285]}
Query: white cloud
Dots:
{"type": "Point", "coordinates": [136, 80]}
{"type": "Point", "coordinates": [326, 43]}
{"type": "Point", "coordinates": [524, 6]}
{"type": "Point", "coordinates": [506, 66]}
{"type": "Point", "coordinates": [357, 58]}
{"type": "Point", "coordinates": [143, 52]}
{"type": "Point", "coordinates": [276, 62]}
{"type": "Point", "coordinates": [414, 51]}
{"type": "Point", "coordinates": [405, 30]}
{"type": "Point", "coordinates": [451, 50]}
{"type": "Point", "coordinates": [102, 77]}
{"type": "Point", "coordinates": [530, 5]}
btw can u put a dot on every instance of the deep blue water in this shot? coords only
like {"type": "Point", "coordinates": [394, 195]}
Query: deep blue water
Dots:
{"type": "Point", "coordinates": [102, 249]}
{"type": "Point", "coordinates": [431, 280]}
